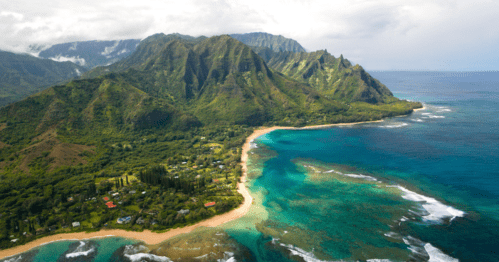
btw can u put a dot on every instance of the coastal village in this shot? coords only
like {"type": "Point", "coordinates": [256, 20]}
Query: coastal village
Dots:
{"type": "Point", "coordinates": [178, 192]}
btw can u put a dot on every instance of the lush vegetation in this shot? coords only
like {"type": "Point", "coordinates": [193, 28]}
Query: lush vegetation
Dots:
{"type": "Point", "coordinates": [160, 132]}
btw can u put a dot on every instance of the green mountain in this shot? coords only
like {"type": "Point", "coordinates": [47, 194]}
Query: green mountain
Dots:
{"type": "Point", "coordinates": [333, 77]}
{"type": "Point", "coordinates": [276, 43]}
{"type": "Point", "coordinates": [151, 46]}
{"type": "Point", "coordinates": [23, 75]}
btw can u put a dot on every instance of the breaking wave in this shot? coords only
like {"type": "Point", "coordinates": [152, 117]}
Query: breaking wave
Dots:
{"type": "Point", "coordinates": [136, 254]}
{"type": "Point", "coordinates": [436, 210]}
{"type": "Point", "coordinates": [80, 251]}
{"type": "Point", "coordinates": [436, 255]}
{"type": "Point", "coordinates": [396, 125]}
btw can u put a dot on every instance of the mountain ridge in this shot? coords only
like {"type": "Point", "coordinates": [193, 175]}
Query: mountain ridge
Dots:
{"type": "Point", "coordinates": [22, 75]}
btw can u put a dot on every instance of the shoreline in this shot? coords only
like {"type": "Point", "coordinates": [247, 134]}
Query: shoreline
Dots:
{"type": "Point", "coordinates": [418, 109]}
{"type": "Point", "coordinates": [152, 238]}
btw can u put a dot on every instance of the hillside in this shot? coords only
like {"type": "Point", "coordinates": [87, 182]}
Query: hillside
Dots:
{"type": "Point", "coordinates": [333, 77]}
{"type": "Point", "coordinates": [149, 47]}
{"type": "Point", "coordinates": [276, 43]}
{"type": "Point", "coordinates": [23, 75]}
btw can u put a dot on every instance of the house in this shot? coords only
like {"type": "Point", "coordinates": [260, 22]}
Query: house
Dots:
{"type": "Point", "coordinates": [183, 211]}
{"type": "Point", "coordinates": [215, 181]}
{"type": "Point", "coordinates": [132, 192]}
{"type": "Point", "coordinates": [124, 220]}
{"type": "Point", "coordinates": [76, 224]}
{"type": "Point", "coordinates": [14, 240]}
{"type": "Point", "coordinates": [143, 193]}
{"type": "Point", "coordinates": [116, 194]}
{"type": "Point", "coordinates": [110, 204]}
{"type": "Point", "coordinates": [70, 199]}
{"type": "Point", "coordinates": [140, 221]}
{"type": "Point", "coordinates": [210, 204]}
{"type": "Point", "coordinates": [106, 198]}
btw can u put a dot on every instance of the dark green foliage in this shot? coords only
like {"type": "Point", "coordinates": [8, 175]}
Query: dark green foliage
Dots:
{"type": "Point", "coordinates": [335, 78]}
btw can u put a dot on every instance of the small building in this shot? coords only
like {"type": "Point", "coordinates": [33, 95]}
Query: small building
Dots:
{"type": "Point", "coordinates": [216, 180]}
{"type": "Point", "coordinates": [132, 192]}
{"type": "Point", "coordinates": [110, 204]}
{"type": "Point", "coordinates": [124, 220]}
{"type": "Point", "coordinates": [144, 192]}
{"type": "Point", "coordinates": [76, 224]}
{"type": "Point", "coordinates": [70, 199]}
{"type": "Point", "coordinates": [106, 198]}
{"type": "Point", "coordinates": [183, 211]}
{"type": "Point", "coordinates": [140, 221]}
{"type": "Point", "coordinates": [14, 240]}
{"type": "Point", "coordinates": [116, 194]}
{"type": "Point", "coordinates": [210, 204]}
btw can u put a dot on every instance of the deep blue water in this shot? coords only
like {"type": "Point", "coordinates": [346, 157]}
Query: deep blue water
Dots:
{"type": "Point", "coordinates": [415, 188]}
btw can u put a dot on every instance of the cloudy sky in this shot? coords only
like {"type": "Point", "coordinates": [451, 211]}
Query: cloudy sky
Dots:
{"type": "Point", "coordinates": [377, 34]}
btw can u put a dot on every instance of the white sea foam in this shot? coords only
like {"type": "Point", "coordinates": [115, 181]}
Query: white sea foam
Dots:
{"type": "Point", "coordinates": [296, 251]}
{"type": "Point", "coordinates": [444, 110]}
{"type": "Point", "coordinates": [15, 259]}
{"type": "Point", "coordinates": [392, 235]}
{"type": "Point", "coordinates": [436, 255]}
{"type": "Point", "coordinates": [378, 260]}
{"type": "Point", "coordinates": [369, 178]}
{"type": "Point", "coordinates": [396, 125]}
{"type": "Point", "coordinates": [417, 120]}
{"type": "Point", "coordinates": [437, 211]}
{"type": "Point", "coordinates": [435, 116]}
{"type": "Point", "coordinates": [425, 114]}
{"type": "Point", "coordinates": [80, 251]}
{"type": "Point", "coordinates": [141, 256]}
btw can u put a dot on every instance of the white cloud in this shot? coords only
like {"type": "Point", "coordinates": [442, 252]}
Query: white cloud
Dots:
{"type": "Point", "coordinates": [378, 34]}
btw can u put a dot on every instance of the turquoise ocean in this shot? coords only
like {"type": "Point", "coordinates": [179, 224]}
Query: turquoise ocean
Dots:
{"type": "Point", "coordinates": [423, 187]}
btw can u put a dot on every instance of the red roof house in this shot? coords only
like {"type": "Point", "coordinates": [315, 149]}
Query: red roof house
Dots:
{"type": "Point", "coordinates": [106, 198]}
{"type": "Point", "coordinates": [110, 204]}
{"type": "Point", "coordinates": [209, 204]}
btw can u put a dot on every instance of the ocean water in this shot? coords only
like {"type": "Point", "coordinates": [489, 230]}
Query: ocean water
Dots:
{"type": "Point", "coordinates": [423, 187]}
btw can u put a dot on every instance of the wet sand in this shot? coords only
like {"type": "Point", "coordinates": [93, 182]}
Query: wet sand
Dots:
{"type": "Point", "coordinates": [155, 238]}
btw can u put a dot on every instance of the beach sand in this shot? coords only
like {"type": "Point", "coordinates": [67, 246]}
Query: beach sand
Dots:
{"type": "Point", "coordinates": [153, 238]}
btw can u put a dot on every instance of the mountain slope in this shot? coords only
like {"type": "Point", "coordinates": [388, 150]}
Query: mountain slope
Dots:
{"type": "Point", "coordinates": [91, 53]}
{"type": "Point", "coordinates": [149, 47]}
{"type": "Point", "coordinates": [276, 43]}
{"type": "Point", "coordinates": [333, 77]}
{"type": "Point", "coordinates": [23, 75]}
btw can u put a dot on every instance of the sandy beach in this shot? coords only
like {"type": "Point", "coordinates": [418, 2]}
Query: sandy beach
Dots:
{"type": "Point", "coordinates": [155, 238]}
{"type": "Point", "coordinates": [418, 109]}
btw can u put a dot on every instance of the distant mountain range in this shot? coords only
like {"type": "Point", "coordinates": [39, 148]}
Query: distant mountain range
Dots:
{"type": "Point", "coordinates": [91, 53]}
{"type": "Point", "coordinates": [23, 75]}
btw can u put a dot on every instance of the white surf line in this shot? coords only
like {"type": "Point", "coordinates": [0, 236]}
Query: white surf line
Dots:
{"type": "Point", "coordinates": [437, 210]}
